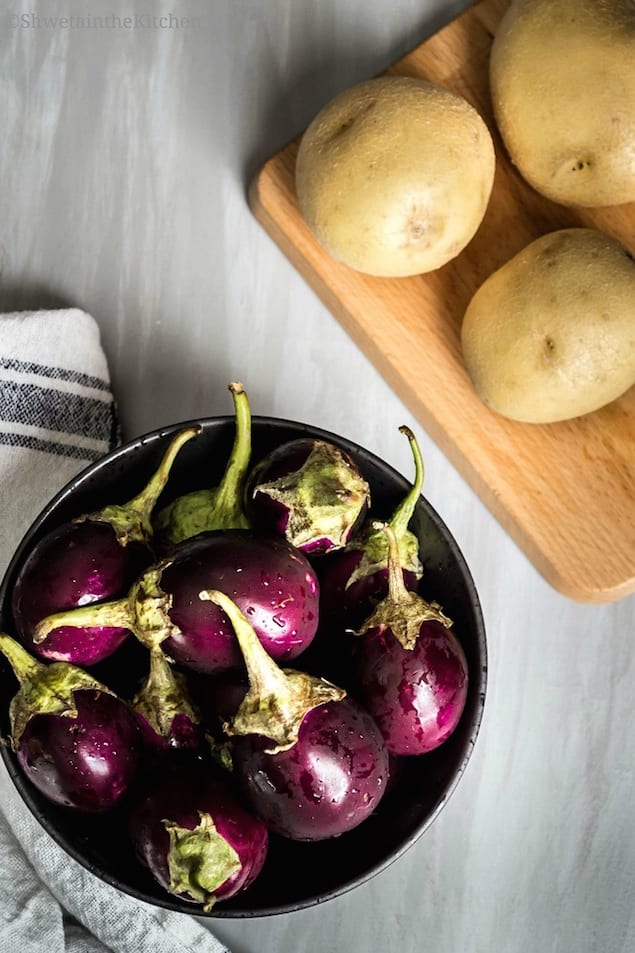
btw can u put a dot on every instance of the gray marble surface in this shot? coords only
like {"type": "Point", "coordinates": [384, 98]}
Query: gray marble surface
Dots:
{"type": "Point", "coordinates": [124, 159]}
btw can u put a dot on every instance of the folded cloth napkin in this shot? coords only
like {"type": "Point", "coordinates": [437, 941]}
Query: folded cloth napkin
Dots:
{"type": "Point", "coordinates": [57, 415]}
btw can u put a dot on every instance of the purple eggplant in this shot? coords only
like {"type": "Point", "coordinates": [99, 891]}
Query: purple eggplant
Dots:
{"type": "Point", "coordinates": [309, 491]}
{"type": "Point", "coordinates": [219, 507]}
{"type": "Point", "coordinates": [272, 582]}
{"type": "Point", "coordinates": [310, 762]}
{"type": "Point", "coordinates": [75, 740]}
{"type": "Point", "coordinates": [354, 579]}
{"type": "Point", "coordinates": [164, 709]}
{"type": "Point", "coordinates": [412, 670]}
{"type": "Point", "coordinates": [197, 840]}
{"type": "Point", "coordinates": [94, 557]}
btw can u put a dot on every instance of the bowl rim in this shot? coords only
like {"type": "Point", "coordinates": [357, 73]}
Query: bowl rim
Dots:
{"type": "Point", "coordinates": [480, 677]}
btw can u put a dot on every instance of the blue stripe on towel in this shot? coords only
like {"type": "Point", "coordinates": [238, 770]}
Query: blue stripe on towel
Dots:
{"type": "Point", "coordinates": [56, 410]}
{"type": "Point", "coordinates": [55, 373]}
{"type": "Point", "coordinates": [49, 446]}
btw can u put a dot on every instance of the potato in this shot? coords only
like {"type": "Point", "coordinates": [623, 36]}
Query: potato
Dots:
{"type": "Point", "coordinates": [562, 78]}
{"type": "Point", "coordinates": [393, 176]}
{"type": "Point", "coordinates": [551, 334]}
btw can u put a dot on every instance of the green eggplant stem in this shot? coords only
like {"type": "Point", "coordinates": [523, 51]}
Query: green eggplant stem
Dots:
{"type": "Point", "coordinates": [231, 487]}
{"type": "Point", "coordinates": [24, 666]}
{"type": "Point", "coordinates": [278, 699]}
{"type": "Point", "coordinates": [114, 614]}
{"type": "Point", "coordinates": [265, 677]}
{"type": "Point", "coordinates": [145, 501]}
{"type": "Point", "coordinates": [403, 514]}
{"type": "Point", "coordinates": [144, 611]}
{"type": "Point", "coordinates": [396, 585]}
{"type": "Point", "coordinates": [132, 521]}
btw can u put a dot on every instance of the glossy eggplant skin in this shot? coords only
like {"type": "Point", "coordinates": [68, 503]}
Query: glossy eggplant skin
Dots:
{"type": "Point", "coordinates": [86, 762]}
{"type": "Point", "coordinates": [181, 796]}
{"type": "Point", "coordinates": [76, 564]}
{"type": "Point", "coordinates": [327, 783]}
{"type": "Point", "coordinates": [273, 584]}
{"type": "Point", "coordinates": [416, 695]}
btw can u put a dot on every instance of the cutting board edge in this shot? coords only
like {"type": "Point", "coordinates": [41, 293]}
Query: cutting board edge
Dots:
{"type": "Point", "coordinates": [546, 568]}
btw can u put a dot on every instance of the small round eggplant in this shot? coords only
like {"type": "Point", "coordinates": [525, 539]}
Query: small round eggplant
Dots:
{"type": "Point", "coordinates": [167, 717]}
{"type": "Point", "coordinates": [220, 507]}
{"type": "Point", "coordinates": [75, 740]}
{"type": "Point", "coordinates": [272, 582]}
{"type": "Point", "coordinates": [416, 695]}
{"type": "Point", "coordinates": [94, 557]}
{"type": "Point", "coordinates": [412, 670]}
{"type": "Point", "coordinates": [198, 842]}
{"type": "Point", "coordinates": [311, 762]}
{"type": "Point", "coordinates": [75, 564]}
{"type": "Point", "coordinates": [326, 783]}
{"type": "Point", "coordinates": [309, 491]}
{"type": "Point", "coordinates": [354, 579]}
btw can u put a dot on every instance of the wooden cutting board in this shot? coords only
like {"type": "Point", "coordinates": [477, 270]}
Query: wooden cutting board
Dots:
{"type": "Point", "coordinates": [566, 491]}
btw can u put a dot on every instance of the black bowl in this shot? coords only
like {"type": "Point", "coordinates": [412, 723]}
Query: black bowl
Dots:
{"type": "Point", "coordinates": [296, 875]}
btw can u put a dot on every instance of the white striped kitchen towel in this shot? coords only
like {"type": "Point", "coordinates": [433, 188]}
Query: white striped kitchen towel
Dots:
{"type": "Point", "coordinates": [56, 411]}
{"type": "Point", "coordinates": [57, 415]}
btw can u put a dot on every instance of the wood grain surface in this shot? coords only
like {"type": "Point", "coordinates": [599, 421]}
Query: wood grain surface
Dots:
{"type": "Point", "coordinates": [565, 492]}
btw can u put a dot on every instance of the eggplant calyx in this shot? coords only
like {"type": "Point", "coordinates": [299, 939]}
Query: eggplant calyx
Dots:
{"type": "Point", "coordinates": [373, 546]}
{"type": "Point", "coordinates": [402, 611]}
{"type": "Point", "coordinates": [278, 699]}
{"type": "Point", "coordinates": [44, 689]}
{"type": "Point", "coordinates": [150, 608]}
{"type": "Point", "coordinates": [199, 860]}
{"type": "Point", "coordinates": [144, 611]}
{"type": "Point", "coordinates": [220, 507]}
{"type": "Point", "coordinates": [163, 696]}
{"type": "Point", "coordinates": [404, 618]}
{"type": "Point", "coordinates": [372, 541]}
{"type": "Point", "coordinates": [324, 497]}
{"type": "Point", "coordinates": [132, 521]}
